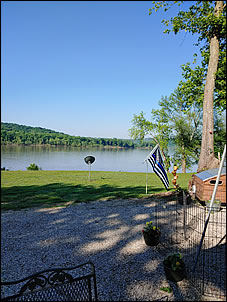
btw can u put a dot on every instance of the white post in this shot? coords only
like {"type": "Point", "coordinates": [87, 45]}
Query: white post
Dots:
{"type": "Point", "coordinates": [146, 176]}
{"type": "Point", "coordinates": [89, 171]}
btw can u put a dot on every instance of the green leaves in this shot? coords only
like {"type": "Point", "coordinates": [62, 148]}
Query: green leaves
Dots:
{"type": "Point", "coordinates": [200, 18]}
{"type": "Point", "coordinates": [150, 228]}
{"type": "Point", "coordinates": [33, 167]}
{"type": "Point", "coordinates": [174, 261]}
{"type": "Point", "coordinates": [207, 19]}
{"type": "Point", "coordinates": [178, 119]}
{"type": "Point", "coordinates": [166, 289]}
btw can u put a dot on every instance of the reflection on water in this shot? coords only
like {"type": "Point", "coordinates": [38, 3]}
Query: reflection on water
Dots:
{"type": "Point", "coordinates": [72, 158]}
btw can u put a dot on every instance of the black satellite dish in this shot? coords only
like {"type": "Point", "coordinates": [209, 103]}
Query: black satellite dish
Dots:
{"type": "Point", "coordinates": [89, 159]}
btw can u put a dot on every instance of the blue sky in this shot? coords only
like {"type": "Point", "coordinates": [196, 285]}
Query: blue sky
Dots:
{"type": "Point", "coordinates": [84, 68]}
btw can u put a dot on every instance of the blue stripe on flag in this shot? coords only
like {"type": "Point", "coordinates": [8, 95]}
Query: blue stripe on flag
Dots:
{"type": "Point", "coordinates": [156, 161]}
{"type": "Point", "coordinates": [163, 171]}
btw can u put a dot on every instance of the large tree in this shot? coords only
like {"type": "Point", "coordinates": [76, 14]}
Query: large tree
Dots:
{"type": "Point", "coordinates": [208, 20]}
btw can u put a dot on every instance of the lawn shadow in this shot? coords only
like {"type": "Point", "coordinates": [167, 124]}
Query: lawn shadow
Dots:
{"type": "Point", "coordinates": [19, 197]}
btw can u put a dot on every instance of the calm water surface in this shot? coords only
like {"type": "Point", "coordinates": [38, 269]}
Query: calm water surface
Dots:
{"type": "Point", "coordinates": [71, 158]}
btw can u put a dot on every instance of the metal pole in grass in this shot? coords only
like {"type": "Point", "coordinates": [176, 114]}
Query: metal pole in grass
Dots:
{"type": "Point", "coordinates": [89, 160]}
{"type": "Point", "coordinates": [146, 176]}
{"type": "Point", "coordinates": [211, 204]}
{"type": "Point", "coordinates": [89, 177]}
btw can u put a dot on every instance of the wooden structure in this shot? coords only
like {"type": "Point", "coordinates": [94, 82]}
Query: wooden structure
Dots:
{"type": "Point", "coordinates": [203, 183]}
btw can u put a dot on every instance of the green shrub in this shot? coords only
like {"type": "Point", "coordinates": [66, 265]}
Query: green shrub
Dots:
{"type": "Point", "coordinates": [174, 261]}
{"type": "Point", "coordinates": [33, 167]}
{"type": "Point", "coordinates": [166, 289]}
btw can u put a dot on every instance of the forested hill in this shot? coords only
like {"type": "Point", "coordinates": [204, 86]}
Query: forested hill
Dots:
{"type": "Point", "coordinates": [25, 135]}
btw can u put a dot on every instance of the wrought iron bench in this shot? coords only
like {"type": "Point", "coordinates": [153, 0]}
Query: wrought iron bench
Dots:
{"type": "Point", "coordinates": [76, 283]}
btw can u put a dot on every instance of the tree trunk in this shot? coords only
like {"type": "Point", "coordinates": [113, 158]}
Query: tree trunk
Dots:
{"type": "Point", "coordinates": [183, 165]}
{"type": "Point", "coordinates": [207, 159]}
{"type": "Point", "coordinates": [183, 160]}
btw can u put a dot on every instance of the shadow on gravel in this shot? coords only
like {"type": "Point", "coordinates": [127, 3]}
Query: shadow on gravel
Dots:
{"type": "Point", "coordinates": [108, 233]}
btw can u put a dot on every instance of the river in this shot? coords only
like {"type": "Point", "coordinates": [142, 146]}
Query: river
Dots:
{"type": "Point", "coordinates": [72, 158]}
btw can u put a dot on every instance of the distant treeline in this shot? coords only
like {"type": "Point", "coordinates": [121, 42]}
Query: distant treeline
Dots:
{"type": "Point", "coordinates": [25, 135]}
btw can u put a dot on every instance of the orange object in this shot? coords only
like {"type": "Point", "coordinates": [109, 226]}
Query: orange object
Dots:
{"type": "Point", "coordinates": [175, 177]}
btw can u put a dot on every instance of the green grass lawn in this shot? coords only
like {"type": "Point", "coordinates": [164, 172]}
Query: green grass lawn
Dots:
{"type": "Point", "coordinates": [26, 189]}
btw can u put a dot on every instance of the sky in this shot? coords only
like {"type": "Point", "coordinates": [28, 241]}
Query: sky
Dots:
{"type": "Point", "coordinates": [85, 68]}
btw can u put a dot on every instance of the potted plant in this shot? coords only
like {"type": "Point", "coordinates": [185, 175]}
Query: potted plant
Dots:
{"type": "Point", "coordinates": [174, 267]}
{"type": "Point", "coordinates": [151, 234]}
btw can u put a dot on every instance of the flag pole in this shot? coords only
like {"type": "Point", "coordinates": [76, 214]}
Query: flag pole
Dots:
{"type": "Point", "coordinates": [151, 152]}
{"type": "Point", "coordinates": [157, 163]}
{"type": "Point", "coordinates": [145, 160]}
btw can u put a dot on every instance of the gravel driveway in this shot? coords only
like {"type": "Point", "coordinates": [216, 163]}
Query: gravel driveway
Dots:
{"type": "Point", "coordinates": [108, 233]}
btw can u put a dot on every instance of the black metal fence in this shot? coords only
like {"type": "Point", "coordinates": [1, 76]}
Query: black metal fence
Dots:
{"type": "Point", "coordinates": [182, 227]}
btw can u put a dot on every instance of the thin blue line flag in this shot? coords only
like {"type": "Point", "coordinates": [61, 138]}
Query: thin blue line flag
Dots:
{"type": "Point", "coordinates": [157, 163]}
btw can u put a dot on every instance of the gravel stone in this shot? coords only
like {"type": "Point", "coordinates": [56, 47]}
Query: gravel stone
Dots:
{"type": "Point", "coordinates": [108, 233]}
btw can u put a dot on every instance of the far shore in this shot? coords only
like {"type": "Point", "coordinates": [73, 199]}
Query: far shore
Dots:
{"type": "Point", "coordinates": [70, 146]}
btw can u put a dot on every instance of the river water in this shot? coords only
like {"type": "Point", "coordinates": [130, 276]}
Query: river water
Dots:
{"type": "Point", "coordinates": [72, 158]}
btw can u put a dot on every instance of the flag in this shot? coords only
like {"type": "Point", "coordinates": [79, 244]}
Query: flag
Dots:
{"type": "Point", "coordinates": [157, 163]}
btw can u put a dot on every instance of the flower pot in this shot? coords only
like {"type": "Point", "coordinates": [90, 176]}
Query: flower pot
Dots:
{"type": "Point", "coordinates": [151, 239]}
{"type": "Point", "coordinates": [176, 275]}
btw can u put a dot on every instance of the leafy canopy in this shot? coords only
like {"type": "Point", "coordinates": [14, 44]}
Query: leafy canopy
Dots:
{"type": "Point", "coordinates": [199, 19]}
